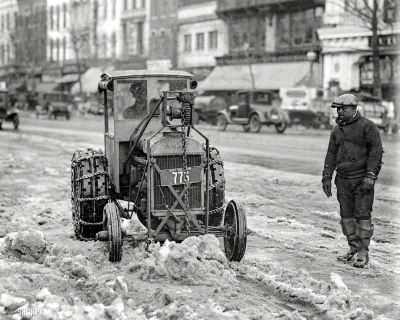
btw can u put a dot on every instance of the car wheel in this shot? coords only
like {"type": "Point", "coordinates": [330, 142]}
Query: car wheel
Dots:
{"type": "Point", "coordinates": [280, 127]}
{"type": "Point", "coordinates": [68, 116]}
{"type": "Point", "coordinates": [255, 123]}
{"type": "Point", "coordinates": [16, 122]}
{"type": "Point", "coordinates": [222, 123]}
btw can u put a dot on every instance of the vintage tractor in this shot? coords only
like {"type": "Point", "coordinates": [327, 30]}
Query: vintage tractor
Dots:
{"type": "Point", "coordinates": [156, 166]}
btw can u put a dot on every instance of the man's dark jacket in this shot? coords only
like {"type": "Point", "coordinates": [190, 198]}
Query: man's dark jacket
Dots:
{"type": "Point", "coordinates": [355, 148]}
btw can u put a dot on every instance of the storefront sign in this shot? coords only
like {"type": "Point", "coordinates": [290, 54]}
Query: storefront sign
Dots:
{"type": "Point", "coordinates": [387, 40]}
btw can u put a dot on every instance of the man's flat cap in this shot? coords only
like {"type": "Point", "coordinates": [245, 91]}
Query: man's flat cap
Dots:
{"type": "Point", "coordinates": [345, 100]}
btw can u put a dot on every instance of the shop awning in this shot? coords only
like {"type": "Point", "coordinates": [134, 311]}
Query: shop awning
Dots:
{"type": "Point", "coordinates": [45, 87]}
{"type": "Point", "coordinates": [270, 76]}
{"type": "Point", "coordinates": [68, 78]}
{"type": "Point", "coordinates": [18, 86]}
{"type": "Point", "coordinates": [90, 79]}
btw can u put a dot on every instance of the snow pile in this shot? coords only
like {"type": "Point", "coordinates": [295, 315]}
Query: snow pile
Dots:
{"type": "Point", "coordinates": [28, 245]}
{"type": "Point", "coordinates": [334, 299]}
{"type": "Point", "coordinates": [195, 261]}
{"type": "Point", "coordinates": [45, 305]}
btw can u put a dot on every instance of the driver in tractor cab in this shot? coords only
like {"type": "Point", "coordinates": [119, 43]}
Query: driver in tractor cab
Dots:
{"type": "Point", "coordinates": [139, 94]}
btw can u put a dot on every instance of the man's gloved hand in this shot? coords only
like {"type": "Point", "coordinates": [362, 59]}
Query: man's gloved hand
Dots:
{"type": "Point", "coordinates": [368, 182]}
{"type": "Point", "coordinates": [327, 185]}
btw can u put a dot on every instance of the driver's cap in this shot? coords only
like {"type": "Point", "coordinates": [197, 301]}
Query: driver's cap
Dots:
{"type": "Point", "coordinates": [345, 100]}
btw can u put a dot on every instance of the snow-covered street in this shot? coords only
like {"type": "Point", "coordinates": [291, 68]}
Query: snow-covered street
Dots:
{"type": "Point", "coordinates": [289, 270]}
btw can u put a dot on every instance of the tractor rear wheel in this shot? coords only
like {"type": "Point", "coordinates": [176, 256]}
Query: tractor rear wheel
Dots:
{"type": "Point", "coordinates": [113, 227]}
{"type": "Point", "coordinates": [235, 223]}
{"type": "Point", "coordinates": [89, 192]}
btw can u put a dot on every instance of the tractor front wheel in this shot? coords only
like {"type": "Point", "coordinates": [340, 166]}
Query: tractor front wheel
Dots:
{"type": "Point", "coordinates": [235, 223]}
{"type": "Point", "coordinates": [113, 227]}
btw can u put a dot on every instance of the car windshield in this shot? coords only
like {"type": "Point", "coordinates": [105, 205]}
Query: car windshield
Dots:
{"type": "Point", "coordinates": [262, 98]}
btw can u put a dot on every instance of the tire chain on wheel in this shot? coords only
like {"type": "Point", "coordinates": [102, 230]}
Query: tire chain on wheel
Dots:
{"type": "Point", "coordinates": [89, 191]}
{"type": "Point", "coordinates": [217, 187]}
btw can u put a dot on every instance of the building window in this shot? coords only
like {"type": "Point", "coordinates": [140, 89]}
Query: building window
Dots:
{"type": "Point", "coordinates": [213, 39]}
{"type": "Point", "coordinates": [199, 41]}
{"type": "Point", "coordinates": [113, 44]}
{"type": "Point", "coordinates": [283, 30]}
{"type": "Point", "coordinates": [15, 20]}
{"type": "Point", "coordinates": [58, 50]}
{"type": "Point", "coordinates": [125, 4]}
{"type": "Point", "coordinates": [8, 21]}
{"type": "Point", "coordinates": [188, 42]}
{"type": "Point", "coordinates": [114, 8]}
{"type": "Point", "coordinates": [140, 37]}
{"type": "Point", "coordinates": [105, 45]}
{"type": "Point", "coordinates": [64, 45]}
{"type": "Point", "coordinates": [64, 15]}
{"type": "Point", "coordinates": [125, 37]}
{"type": "Point", "coordinates": [58, 18]}
{"type": "Point", "coordinates": [51, 18]}
{"type": "Point", "coordinates": [51, 50]}
{"type": "Point", "coordinates": [105, 9]}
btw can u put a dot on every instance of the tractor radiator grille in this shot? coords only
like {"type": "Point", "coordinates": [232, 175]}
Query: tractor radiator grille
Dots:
{"type": "Point", "coordinates": [172, 162]}
{"type": "Point", "coordinates": [163, 196]}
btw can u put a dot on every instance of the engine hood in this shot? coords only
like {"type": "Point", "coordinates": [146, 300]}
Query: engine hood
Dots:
{"type": "Point", "coordinates": [169, 143]}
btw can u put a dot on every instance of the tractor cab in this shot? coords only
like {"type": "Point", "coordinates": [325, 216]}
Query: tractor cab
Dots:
{"type": "Point", "coordinates": [135, 95]}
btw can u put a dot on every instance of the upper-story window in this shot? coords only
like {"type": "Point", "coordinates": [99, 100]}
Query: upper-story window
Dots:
{"type": "Point", "coordinates": [187, 42]}
{"type": "Point", "coordinates": [51, 18]}
{"type": "Point", "coordinates": [125, 4]}
{"type": "Point", "coordinates": [8, 21]}
{"type": "Point", "coordinates": [58, 18]}
{"type": "Point", "coordinates": [114, 8]}
{"type": "Point", "coordinates": [64, 15]}
{"type": "Point", "coordinates": [199, 41]}
{"type": "Point", "coordinates": [213, 39]}
{"type": "Point", "coordinates": [15, 20]}
{"type": "Point", "coordinates": [296, 29]}
{"type": "Point", "coordinates": [105, 9]}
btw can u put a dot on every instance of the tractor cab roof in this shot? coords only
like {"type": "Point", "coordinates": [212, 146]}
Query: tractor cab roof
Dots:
{"type": "Point", "coordinates": [146, 73]}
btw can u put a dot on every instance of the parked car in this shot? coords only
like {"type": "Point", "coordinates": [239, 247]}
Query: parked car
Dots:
{"type": "Point", "coordinates": [55, 104]}
{"type": "Point", "coordinates": [305, 106]}
{"type": "Point", "coordinates": [206, 108]}
{"type": "Point", "coordinates": [254, 109]}
{"type": "Point", "coordinates": [7, 112]}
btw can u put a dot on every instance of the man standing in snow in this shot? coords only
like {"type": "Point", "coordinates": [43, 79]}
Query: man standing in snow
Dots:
{"type": "Point", "coordinates": [355, 151]}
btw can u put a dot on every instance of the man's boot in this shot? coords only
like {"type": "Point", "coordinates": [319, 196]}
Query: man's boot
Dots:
{"type": "Point", "coordinates": [349, 230]}
{"type": "Point", "coordinates": [364, 230]}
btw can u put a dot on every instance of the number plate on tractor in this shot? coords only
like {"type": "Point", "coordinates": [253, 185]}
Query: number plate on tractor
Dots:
{"type": "Point", "coordinates": [176, 176]}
